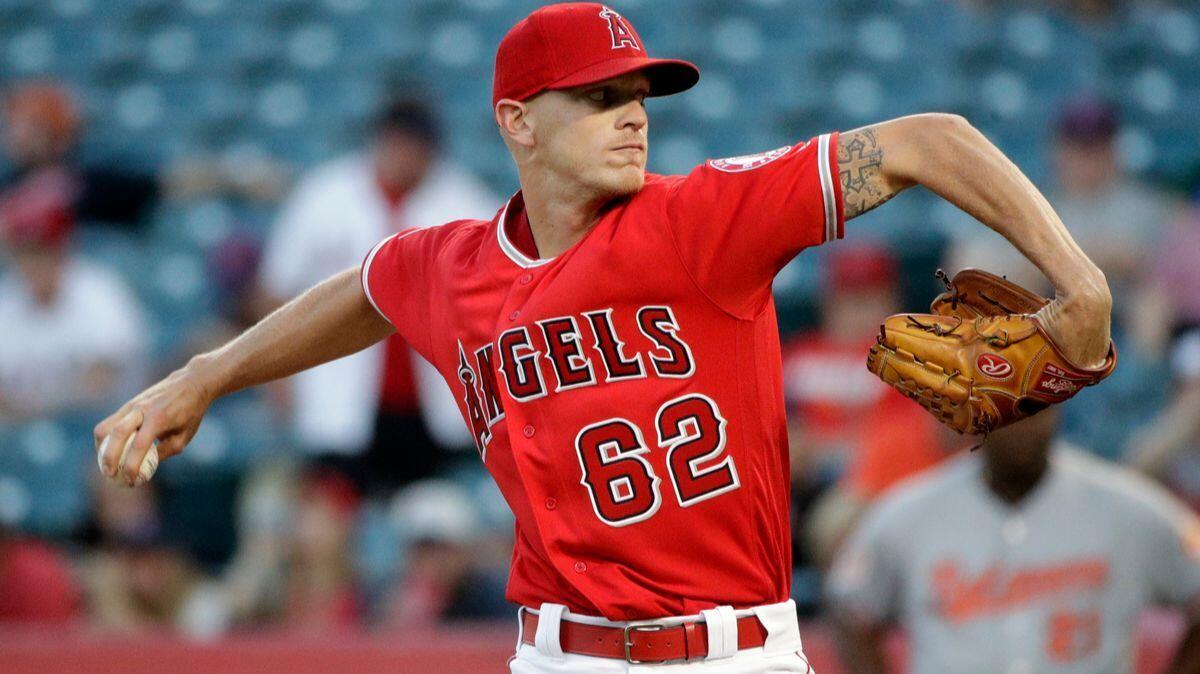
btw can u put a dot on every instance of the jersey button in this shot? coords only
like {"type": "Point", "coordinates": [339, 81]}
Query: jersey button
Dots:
{"type": "Point", "coordinates": [528, 431]}
{"type": "Point", "coordinates": [580, 567]}
{"type": "Point", "coordinates": [551, 503]}
{"type": "Point", "coordinates": [514, 315]}
{"type": "Point", "coordinates": [526, 279]}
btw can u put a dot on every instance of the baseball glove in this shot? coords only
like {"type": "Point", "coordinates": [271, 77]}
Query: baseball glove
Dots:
{"type": "Point", "coordinates": [981, 359]}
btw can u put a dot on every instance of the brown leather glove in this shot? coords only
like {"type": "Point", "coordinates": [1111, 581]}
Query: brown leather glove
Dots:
{"type": "Point", "coordinates": [980, 360]}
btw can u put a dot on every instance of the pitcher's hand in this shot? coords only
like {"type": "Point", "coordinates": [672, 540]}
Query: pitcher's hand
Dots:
{"type": "Point", "coordinates": [168, 412]}
{"type": "Point", "coordinates": [1081, 323]}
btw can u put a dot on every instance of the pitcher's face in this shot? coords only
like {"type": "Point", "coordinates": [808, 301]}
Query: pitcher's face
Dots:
{"type": "Point", "coordinates": [596, 133]}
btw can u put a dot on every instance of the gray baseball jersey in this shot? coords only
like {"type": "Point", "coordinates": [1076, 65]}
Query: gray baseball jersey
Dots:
{"type": "Point", "coordinates": [1054, 584]}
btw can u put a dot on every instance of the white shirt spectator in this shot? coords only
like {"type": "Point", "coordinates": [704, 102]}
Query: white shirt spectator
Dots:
{"type": "Point", "coordinates": [335, 214]}
{"type": "Point", "coordinates": [94, 320]}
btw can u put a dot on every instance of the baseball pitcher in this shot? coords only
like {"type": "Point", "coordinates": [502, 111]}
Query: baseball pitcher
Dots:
{"type": "Point", "coordinates": [611, 338]}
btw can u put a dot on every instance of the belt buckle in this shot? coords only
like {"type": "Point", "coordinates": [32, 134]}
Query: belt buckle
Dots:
{"type": "Point", "coordinates": [629, 642]}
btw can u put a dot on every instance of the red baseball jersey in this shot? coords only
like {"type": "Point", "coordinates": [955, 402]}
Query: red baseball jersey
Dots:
{"type": "Point", "coordinates": [626, 395]}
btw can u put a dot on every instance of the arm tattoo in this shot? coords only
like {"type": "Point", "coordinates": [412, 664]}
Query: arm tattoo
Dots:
{"type": "Point", "coordinates": [860, 158]}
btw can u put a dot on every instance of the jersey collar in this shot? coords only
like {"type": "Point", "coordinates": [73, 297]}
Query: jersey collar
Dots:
{"type": "Point", "coordinates": [517, 205]}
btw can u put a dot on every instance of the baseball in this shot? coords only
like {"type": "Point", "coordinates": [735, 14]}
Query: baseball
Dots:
{"type": "Point", "coordinates": [145, 471]}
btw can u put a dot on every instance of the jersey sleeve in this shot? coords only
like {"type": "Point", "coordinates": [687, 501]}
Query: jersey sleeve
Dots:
{"type": "Point", "coordinates": [737, 221]}
{"type": "Point", "coordinates": [865, 581]}
{"type": "Point", "coordinates": [395, 278]}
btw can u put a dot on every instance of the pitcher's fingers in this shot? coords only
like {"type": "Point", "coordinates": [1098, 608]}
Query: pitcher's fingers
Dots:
{"type": "Point", "coordinates": [147, 434]}
{"type": "Point", "coordinates": [102, 429]}
{"type": "Point", "coordinates": [114, 441]}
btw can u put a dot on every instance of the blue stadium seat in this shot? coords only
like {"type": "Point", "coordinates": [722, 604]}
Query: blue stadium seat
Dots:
{"type": "Point", "coordinates": [172, 50]}
{"type": "Point", "coordinates": [43, 474]}
{"type": "Point", "coordinates": [200, 9]}
{"type": "Point", "coordinates": [32, 51]}
{"type": "Point", "coordinates": [314, 46]}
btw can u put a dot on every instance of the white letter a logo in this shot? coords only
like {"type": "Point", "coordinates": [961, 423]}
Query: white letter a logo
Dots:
{"type": "Point", "coordinates": [622, 34]}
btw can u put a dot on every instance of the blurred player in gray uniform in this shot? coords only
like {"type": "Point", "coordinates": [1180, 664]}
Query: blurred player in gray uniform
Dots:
{"type": "Point", "coordinates": [1026, 556]}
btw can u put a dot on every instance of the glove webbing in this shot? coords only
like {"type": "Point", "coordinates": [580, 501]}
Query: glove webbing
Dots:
{"type": "Point", "coordinates": [956, 296]}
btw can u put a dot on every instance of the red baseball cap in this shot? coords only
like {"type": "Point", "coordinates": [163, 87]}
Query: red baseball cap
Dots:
{"type": "Point", "coordinates": [576, 43]}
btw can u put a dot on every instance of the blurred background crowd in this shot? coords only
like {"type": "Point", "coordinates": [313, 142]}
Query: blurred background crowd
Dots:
{"type": "Point", "coordinates": [173, 170]}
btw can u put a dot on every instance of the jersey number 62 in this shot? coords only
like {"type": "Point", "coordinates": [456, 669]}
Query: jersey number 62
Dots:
{"type": "Point", "coordinates": [620, 480]}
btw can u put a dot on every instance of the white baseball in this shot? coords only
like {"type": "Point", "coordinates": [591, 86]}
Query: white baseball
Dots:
{"type": "Point", "coordinates": [145, 471]}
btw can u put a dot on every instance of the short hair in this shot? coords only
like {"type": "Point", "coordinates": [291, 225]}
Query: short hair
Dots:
{"type": "Point", "coordinates": [409, 116]}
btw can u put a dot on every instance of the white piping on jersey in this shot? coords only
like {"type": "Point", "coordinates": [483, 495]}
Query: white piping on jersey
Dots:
{"type": "Point", "coordinates": [371, 258]}
{"type": "Point", "coordinates": [514, 253]}
{"type": "Point", "coordinates": [830, 196]}
{"type": "Point", "coordinates": [366, 267]}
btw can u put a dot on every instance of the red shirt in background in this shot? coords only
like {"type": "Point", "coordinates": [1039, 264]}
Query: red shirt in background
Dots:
{"type": "Point", "coordinates": [853, 424]}
{"type": "Point", "coordinates": [36, 584]}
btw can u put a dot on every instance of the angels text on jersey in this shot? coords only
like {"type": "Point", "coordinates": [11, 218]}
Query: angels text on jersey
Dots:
{"type": "Point", "coordinates": [575, 357]}
{"type": "Point", "coordinates": [558, 354]}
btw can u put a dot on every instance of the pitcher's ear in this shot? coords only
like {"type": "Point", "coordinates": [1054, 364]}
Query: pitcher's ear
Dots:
{"type": "Point", "coordinates": [514, 121]}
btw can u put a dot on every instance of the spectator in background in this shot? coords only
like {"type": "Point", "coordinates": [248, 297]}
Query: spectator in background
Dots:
{"type": "Point", "coordinates": [1027, 556]}
{"type": "Point", "coordinates": [321, 592]}
{"type": "Point", "coordinates": [1158, 444]}
{"type": "Point", "coordinates": [231, 267]}
{"type": "Point", "coordinates": [137, 577]}
{"type": "Point", "coordinates": [1173, 325]}
{"type": "Point", "coordinates": [851, 436]}
{"type": "Point", "coordinates": [444, 578]}
{"type": "Point", "coordinates": [294, 566]}
{"type": "Point", "coordinates": [253, 582]}
{"type": "Point", "coordinates": [73, 333]}
{"type": "Point", "coordinates": [42, 130]}
{"type": "Point", "coordinates": [1171, 305]}
{"type": "Point", "coordinates": [1116, 219]}
{"type": "Point", "coordinates": [362, 413]}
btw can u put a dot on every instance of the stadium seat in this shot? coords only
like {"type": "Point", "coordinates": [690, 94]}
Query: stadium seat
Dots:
{"type": "Point", "coordinates": [43, 474]}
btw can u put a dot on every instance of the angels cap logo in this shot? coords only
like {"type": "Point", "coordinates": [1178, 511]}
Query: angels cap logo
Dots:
{"type": "Point", "coordinates": [994, 366]}
{"type": "Point", "coordinates": [747, 162]}
{"type": "Point", "coordinates": [622, 34]}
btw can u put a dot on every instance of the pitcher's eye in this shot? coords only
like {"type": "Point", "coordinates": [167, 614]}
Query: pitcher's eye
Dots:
{"type": "Point", "coordinates": [598, 95]}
